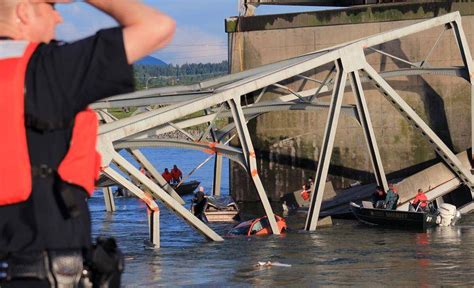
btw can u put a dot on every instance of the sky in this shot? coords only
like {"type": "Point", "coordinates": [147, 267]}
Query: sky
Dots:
{"type": "Point", "coordinates": [200, 36]}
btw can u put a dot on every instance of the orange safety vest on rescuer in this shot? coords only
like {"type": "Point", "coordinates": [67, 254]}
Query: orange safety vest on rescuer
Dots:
{"type": "Point", "coordinates": [420, 197]}
{"type": "Point", "coordinates": [15, 164]}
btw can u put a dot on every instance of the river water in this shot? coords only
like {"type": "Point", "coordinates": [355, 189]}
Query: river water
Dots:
{"type": "Point", "coordinates": [348, 253]}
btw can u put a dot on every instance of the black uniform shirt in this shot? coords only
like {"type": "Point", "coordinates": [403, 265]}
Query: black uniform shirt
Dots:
{"type": "Point", "coordinates": [61, 80]}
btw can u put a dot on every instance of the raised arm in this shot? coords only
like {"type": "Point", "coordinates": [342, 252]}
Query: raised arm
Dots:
{"type": "Point", "coordinates": [145, 28]}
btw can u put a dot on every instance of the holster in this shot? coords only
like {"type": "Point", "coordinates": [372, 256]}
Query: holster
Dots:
{"type": "Point", "coordinates": [69, 197]}
{"type": "Point", "coordinates": [106, 263]}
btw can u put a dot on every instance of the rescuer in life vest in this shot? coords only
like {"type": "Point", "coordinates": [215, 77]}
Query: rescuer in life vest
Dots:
{"type": "Point", "coordinates": [306, 193]}
{"type": "Point", "coordinates": [176, 173]}
{"type": "Point", "coordinates": [420, 201]}
{"type": "Point", "coordinates": [167, 175]}
{"type": "Point", "coordinates": [48, 162]}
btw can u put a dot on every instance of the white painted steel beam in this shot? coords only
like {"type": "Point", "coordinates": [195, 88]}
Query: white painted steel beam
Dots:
{"type": "Point", "coordinates": [169, 201]}
{"type": "Point", "coordinates": [250, 157]}
{"type": "Point", "coordinates": [127, 127]}
{"type": "Point", "coordinates": [147, 199]}
{"type": "Point", "coordinates": [366, 123]}
{"type": "Point", "coordinates": [217, 179]}
{"type": "Point", "coordinates": [467, 60]}
{"type": "Point", "coordinates": [149, 97]}
{"type": "Point", "coordinates": [233, 153]}
{"type": "Point", "coordinates": [317, 191]}
{"type": "Point", "coordinates": [109, 199]}
{"type": "Point", "coordinates": [186, 100]}
{"type": "Point", "coordinates": [250, 112]}
{"type": "Point", "coordinates": [217, 182]}
{"type": "Point", "coordinates": [413, 119]}
{"type": "Point", "coordinates": [138, 155]}
{"type": "Point", "coordinates": [154, 227]}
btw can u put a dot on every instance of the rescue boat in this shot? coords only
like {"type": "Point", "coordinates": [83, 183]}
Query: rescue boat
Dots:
{"type": "Point", "coordinates": [221, 209]}
{"type": "Point", "coordinates": [445, 215]}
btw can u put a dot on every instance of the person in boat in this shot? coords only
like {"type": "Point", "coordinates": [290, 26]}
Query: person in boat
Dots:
{"type": "Point", "coordinates": [145, 172]}
{"type": "Point", "coordinates": [49, 162]}
{"type": "Point", "coordinates": [306, 193]}
{"type": "Point", "coordinates": [420, 201]}
{"type": "Point", "coordinates": [176, 174]}
{"type": "Point", "coordinates": [167, 175]}
{"type": "Point", "coordinates": [378, 198]}
{"type": "Point", "coordinates": [391, 199]}
{"type": "Point", "coordinates": [310, 182]}
{"type": "Point", "coordinates": [119, 192]}
{"type": "Point", "coordinates": [199, 204]}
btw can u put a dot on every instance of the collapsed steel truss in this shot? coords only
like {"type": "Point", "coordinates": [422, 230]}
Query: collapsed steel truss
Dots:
{"type": "Point", "coordinates": [221, 97]}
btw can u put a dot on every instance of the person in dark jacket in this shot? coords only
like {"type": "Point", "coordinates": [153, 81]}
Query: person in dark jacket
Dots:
{"type": "Point", "coordinates": [391, 199]}
{"type": "Point", "coordinates": [199, 204]}
{"type": "Point", "coordinates": [52, 224]}
{"type": "Point", "coordinates": [378, 198]}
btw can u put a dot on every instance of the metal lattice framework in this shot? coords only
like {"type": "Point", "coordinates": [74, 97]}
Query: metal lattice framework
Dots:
{"type": "Point", "coordinates": [221, 98]}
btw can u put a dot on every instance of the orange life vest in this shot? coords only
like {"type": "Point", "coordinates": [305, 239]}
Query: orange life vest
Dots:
{"type": "Point", "coordinates": [81, 166]}
{"type": "Point", "coordinates": [15, 167]}
{"type": "Point", "coordinates": [421, 197]}
{"type": "Point", "coordinates": [305, 195]}
{"type": "Point", "coordinates": [167, 176]}
{"type": "Point", "coordinates": [176, 174]}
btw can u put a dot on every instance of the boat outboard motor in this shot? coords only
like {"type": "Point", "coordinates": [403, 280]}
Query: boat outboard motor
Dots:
{"type": "Point", "coordinates": [448, 215]}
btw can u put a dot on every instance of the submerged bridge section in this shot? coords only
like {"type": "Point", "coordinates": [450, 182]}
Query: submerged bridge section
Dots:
{"type": "Point", "coordinates": [346, 71]}
{"type": "Point", "coordinates": [289, 142]}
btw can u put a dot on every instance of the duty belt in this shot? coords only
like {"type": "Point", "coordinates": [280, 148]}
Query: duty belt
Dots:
{"type": "Point", "coordinates": [59, 268]}
{"type": "Point", "coordinates": [28, 265]}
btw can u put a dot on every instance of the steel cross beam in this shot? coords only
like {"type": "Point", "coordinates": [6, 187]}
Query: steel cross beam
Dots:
{"type": "Point", "coordinates": [317, 190]}
{"type": "Point", "coordinates": [231, 153]}
{"type": "Point", "coordinates": [410, 115]}
{"type": "Point", "coordinates": [249, 155]}
{"type": "Point", "coordinates": [366, 123]}
{"type": "Point", "coordinates": [467, 60]}
{"type": "Point", "coordinates": [216, 183]}
{"type": "Point", "coordinates": [140, 158]}
{"type": "Point", "coordinates": [170, 202]}
{"type": "Point", "coordinates": [230, 88]}
{"type": "Point", "coordinates": [148, 200]}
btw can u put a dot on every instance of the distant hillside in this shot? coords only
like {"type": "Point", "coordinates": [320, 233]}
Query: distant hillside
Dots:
{"type": "Point", "coordinates": [169, 74]}
{"type": "Point", "coordinates": [148, 60]}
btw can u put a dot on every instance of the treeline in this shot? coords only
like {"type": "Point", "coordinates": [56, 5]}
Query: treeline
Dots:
{"type": "Point", "coordinates": [169, 75]}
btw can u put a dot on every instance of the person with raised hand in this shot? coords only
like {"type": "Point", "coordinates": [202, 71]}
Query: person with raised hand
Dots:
{"type": "Point", "coordinates": [48, 152]}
